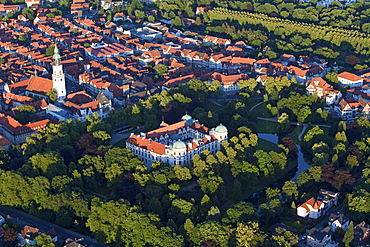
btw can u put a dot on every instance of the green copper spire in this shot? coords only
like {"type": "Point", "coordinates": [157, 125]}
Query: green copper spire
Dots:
{"type": "Point", "coordinates": [56, 56]}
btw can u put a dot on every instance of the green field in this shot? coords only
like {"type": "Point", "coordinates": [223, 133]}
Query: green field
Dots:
{"type": "Point", "coordinates": [264, 126]}
{"type": "Point", "coordinates": [121, 143]}
{"type": "Point", "coordinates": [295, 133]}
{"type": "Point", "coordinates": [266, 145]}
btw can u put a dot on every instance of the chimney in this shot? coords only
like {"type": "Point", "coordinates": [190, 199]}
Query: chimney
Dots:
{"type": "Point", "coordinates": [149, 141]}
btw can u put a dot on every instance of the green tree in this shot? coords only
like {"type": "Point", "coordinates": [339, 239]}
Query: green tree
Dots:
{"type": "Point", "coordinates": [44, 240]}
{"type": "Point", "coordinates": [49, 51]}
{"type": "Point", "coordinates": [49, 164]}
{"type": "Point", "coordinates": [211, 231]}
{"type": "Point", "coordinates": [177, 22]}
{"type": "Point", "coordinates": [348, 236]}
{"type": "Point", "coordinates": [245, 233]}
{"type": "Point", "coordinates": [151, 18]}
{"type": "Point", "coordinates": [198, 21]}
{"type": "Point", "coordinates": [24, 113]}
{"type": "Point", "coordinates": [283, 237]}
{"type": "Point", "coordinates": [284, 123]}
{"type": "Point", "coordinates": [29, 13]}
{"type": "Point", "coordinates": [161, 69]}
{"type": "Point", "coordinates": [118, 222]}
{"type": "Point", "coordinates": [290, 189]}
{"type": "Point", "coordinates": [52, 94]}
{"type": "Point", "coordinates": [22, 38]}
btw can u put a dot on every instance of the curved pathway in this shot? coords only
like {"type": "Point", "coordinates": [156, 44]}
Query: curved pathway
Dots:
{"type": "Point", "coordinates": [296, 123]}
{"type": "Point", "coordinates": [255, 106]}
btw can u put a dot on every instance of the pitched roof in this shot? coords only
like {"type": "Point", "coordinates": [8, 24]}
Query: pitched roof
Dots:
{"type": "Point", "coordinates": [39, 85]}
{"type": "Point", "coordinates": [319, 234]}
{"type": "Point", "coordinates": [147, 144]}
{"type": "Point", "coordinates": [4, 142]}
{"type": "Point", "coordinates": [349, 76]}
{"type": "Point", "coordinates": [169, 130]}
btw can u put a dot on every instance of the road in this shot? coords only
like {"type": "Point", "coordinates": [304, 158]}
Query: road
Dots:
{"type": "Point", "coordinates": [23, 219]}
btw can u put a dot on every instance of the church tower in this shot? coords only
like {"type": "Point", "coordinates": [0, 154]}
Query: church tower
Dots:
{"type": "Point", "coordinates": [59, 81]}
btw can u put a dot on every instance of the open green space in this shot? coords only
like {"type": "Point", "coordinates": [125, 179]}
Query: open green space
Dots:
{"type": "Point", "coordinates": [253, 103]}
{"type": "Point", "coordinates": [210, 106]}
{"type": "Point", "coordinates": [261, 111]}
{"type": "Point", "coordinates": [267, 146]}
{"type": "Point", "coordinates": [264, 126]}
{"type": "Point", "coordinates": [121, 143]}
{"type": "Point", "coordinates": [296, 225]}
{"type": "Point", "coordinates": [296, 131]}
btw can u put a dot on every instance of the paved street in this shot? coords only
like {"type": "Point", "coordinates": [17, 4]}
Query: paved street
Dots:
{"type": "Point", "coordinates": [23, 219]}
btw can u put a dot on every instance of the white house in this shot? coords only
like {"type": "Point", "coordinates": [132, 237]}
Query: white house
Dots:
{"type": "Point", "coordinates": [350, 79]}
{"type": "Point", "coordinates": [338, 220]}
{"type": "Point", "coordinates": [323, 90]}
{"type": "Point", "coordinates": [311, 209]}
{"type": "Point", "coordinates": [329, 198]}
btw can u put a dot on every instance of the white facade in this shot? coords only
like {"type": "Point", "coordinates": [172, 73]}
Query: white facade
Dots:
{"type": "Point", "coordinates": [312, 209]}
{"type": "Point", "coordinates": [59, 81]}
{"type": "Point", "coordinates": [177, 144]}
{"type": "Point", "coordinates": [349, 79]}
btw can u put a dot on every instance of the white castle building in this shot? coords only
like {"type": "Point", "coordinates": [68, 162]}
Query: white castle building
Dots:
{"type": "Point", "coordinates": [177, 143]}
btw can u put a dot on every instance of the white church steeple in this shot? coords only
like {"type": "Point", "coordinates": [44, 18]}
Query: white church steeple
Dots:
{"type": "Point", "coordinates": [59, 81]}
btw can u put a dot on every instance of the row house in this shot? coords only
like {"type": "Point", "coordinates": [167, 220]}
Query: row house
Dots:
{"type": "Point", "coordinates": [323, 90]}
{"type": "Point", "coordinates": [5, 9]}
{"type": "Point", "coordinates": [17, 133]}
{"type": "Point", "coordinates": [96, 85]}
{"type": "Point", "coordinates": [103, 51]}
{"type": "Point", "coordinates": [197, 59]}
{"type": "Point", "coordinates": [34, 4]}
{"type": "Point", "coordinates": [216, 41]}
{"type": "Point", "coordinates": [304, 74]}
{"type": "Point", "coordinates": [349, 109]}
{"type": "Point", "coordinates": [174, 82]}
{"type": "Point", "coordinates": [82, 104]}
{"type": "Point", "coordinates": [350, 79]}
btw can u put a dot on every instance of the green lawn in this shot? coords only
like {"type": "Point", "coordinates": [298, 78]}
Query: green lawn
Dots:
{"type": "Point", "coordinates": [295, 133]}
{"type": "Point", "coordinates": [253, 103]}
{"type": "Point", "coordinates": [262, 111]}
{"type": "Point", "coordinates": [264, 126]}
{"type": "Point", "coordinates": [210, 106]}
{"type": "Point", "coordinates": [296, 225]}
{"type": "Point", "coordinates": [266, 145]}
{"type": "Point", "coordinates": [121, 143]}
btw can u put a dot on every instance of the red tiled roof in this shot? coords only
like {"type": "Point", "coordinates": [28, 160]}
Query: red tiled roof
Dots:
{"type": "Point", "coordinates": [39, 85]}
{"type": "Point", "coordinates": [169, 130]}
{"type": "Point", "coordinates": [176, 81]}
{"type": "Point", "coordinates": [4, 142]}
{"type": "Point", "coordinates": [147, 144]}
{"type": "Point", "coordinates": [349, 76]}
